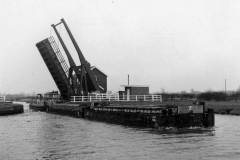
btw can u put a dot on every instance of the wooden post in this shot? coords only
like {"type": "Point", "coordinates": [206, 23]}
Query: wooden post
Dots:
{"type": "Point", "coordinates": [73, 98]}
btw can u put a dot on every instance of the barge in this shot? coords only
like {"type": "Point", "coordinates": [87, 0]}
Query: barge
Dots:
{"type": "Point", "coordinates": [152, 114]}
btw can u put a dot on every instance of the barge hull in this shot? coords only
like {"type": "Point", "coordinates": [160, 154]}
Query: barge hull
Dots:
{"type": "Point", "coordinates": [133, 116]}
{"type": "Point", "coordinates": [153, 120]}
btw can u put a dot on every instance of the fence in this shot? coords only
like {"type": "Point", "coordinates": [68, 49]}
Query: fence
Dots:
{"type": "Point", "coordinates": [116, 97]}
{"type": "Point", "coordinates": [2, 98]}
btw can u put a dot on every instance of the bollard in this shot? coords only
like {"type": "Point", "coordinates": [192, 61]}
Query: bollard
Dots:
{"type": "Point", "coordinates": [210, 118]}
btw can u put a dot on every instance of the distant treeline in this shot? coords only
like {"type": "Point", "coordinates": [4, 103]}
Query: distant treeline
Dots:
{"type": "Point", "coordinates": [18, 97]}
{"type": "Point", "coordinates": [206, 96]}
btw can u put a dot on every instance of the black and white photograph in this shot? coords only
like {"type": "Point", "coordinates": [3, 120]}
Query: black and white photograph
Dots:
{"type": "Point", "coordinates": [119, 79]}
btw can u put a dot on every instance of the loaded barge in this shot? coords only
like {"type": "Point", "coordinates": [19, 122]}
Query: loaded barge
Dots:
{"type": "Point", "coordinates": [83, 93]}
{"type": "Point", "coordinates": [152, 113]}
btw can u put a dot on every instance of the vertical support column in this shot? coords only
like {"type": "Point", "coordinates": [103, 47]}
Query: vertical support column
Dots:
{"type": "Point", "coordinates": [210, 120]}
{"type": "Point", "coordinates": [128, 94]}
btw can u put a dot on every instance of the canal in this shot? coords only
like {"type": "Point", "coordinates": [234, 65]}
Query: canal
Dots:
{"type": "Point", "coordinates": [44, 136]}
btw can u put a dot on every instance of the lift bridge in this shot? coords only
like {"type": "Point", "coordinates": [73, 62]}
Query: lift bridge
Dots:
{"type": "Point", "coordinates": [71, 80]}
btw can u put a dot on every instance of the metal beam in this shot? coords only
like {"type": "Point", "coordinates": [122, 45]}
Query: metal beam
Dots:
{"type": "Point", "coordinates": [70, 59]}
{"type": "Point", "coordinates": [81, 57]}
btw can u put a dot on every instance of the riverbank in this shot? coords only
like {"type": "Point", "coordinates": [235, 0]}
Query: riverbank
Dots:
{"type": "Point", "coordinates": [224, 107]}
{"type": "Point", "coordinates": [7, 108]}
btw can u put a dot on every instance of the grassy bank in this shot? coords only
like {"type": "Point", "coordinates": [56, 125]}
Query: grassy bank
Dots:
{"type": "Point", "coordinates": [220, 107]}
{"type": "Point", "coordinates": [224, 107]}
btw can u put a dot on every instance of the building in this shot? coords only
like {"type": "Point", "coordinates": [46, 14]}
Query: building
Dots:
{"type": "Point", "coordinates": [136, 90]}
{"type": "Point", "coordinates": [101, 78]}
{"type": "Point", "coordinates": [130, 90]}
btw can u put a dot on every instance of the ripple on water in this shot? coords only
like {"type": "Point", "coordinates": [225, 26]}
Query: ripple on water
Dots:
{"type": "Point", "coordinates": [38, 135]}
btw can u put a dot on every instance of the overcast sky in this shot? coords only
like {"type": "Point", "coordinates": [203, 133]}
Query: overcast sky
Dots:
{"type": "Point", "coordinates": [175, 45]}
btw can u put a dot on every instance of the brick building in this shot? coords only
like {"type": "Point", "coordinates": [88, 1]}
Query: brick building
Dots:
{"type": "Point", "coordinates": [101, 78]}
{"type": "Point", "coordinates": [136, 90]}
{"type": "Point", "coordinates": [133, 90]}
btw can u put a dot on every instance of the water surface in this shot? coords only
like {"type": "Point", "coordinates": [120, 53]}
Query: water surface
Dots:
{"type": "Point", "coordinates": [39, 135]}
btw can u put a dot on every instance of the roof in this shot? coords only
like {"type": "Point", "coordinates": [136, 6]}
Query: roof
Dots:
{"type": "Point", "coordinates": [134, 86]}
{"type": "Point", "coordinates": [94, 67]}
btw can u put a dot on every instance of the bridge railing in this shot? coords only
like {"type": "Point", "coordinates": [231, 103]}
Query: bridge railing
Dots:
{"type": "Point", "coordinates": [59, 55]}
{"type": "Point", "coordinates": [115, 97]}
{"type": "Point", "coordinates": [2, 98]}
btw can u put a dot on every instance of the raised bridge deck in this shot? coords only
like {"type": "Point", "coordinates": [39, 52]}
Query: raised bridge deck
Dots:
{"type": "Point", "coordinates": [55, 64]}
